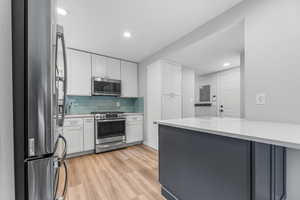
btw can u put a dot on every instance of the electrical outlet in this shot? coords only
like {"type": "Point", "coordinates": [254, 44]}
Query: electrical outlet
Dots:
{"type": "Point", "coordinates": [118, 104]}
{"type": "Point", "coordinates": [261, 99]}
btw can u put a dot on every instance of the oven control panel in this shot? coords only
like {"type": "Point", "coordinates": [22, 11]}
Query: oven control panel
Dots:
{"type": "Point", "coordinates": [109, 115]}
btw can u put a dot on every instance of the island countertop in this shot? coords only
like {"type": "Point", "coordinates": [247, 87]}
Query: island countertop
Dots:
{"type": "Point", "coordinates": [275, 133]}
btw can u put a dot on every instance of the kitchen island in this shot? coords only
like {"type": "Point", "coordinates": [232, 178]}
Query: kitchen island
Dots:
{"type": "Point", "coordinates": [224, 158]}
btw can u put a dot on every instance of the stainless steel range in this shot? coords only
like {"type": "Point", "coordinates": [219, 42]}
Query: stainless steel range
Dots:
{"type": "Point", "coordinates": [110, 132]}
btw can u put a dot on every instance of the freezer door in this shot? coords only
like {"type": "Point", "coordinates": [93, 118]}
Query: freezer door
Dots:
{"type": "Point", "coordinates": [41, 179]}
{"type": "Point", "coordinates": [39, 78]}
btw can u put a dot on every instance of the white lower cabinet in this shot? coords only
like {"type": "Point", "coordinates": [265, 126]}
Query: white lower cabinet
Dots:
{"type": "Point", "coordinates": [73, 132]}
{"type": "Point", "coordinates": [134, 128]}
{"type": "Point", "coordinates": [88, 135]}
{"type": "Point", "coordinates": [79, 133]}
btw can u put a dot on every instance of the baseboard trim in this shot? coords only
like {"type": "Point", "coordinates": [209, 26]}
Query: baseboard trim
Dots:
{"type": "Point", "coordinates": [84, 153]}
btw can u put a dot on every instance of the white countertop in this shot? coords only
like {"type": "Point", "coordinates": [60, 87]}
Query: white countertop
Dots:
{"type": "Point", "coordinates": [80, 116]}
{"type": "Point", "coordinates": [282, 134]}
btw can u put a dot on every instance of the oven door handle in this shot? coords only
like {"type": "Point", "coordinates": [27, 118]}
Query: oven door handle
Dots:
{"type": "Point", "coordinates": [111, 120]}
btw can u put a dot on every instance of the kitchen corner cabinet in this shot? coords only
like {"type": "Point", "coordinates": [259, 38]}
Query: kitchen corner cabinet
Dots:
{"type": "Point", "coordinates": [129, 78]}
{"type": "Point", "coordinates": [105, 67]}
{"type": "Point", "coordinates": [88, 134]}
{"type": "Point", "coordinates": [134, 128]}
{"type": "Point", "coordinates": [78, 73]}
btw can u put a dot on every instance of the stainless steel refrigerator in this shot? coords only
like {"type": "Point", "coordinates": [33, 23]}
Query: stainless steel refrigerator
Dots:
{"type": "Point", "coordinates": [38, 113]}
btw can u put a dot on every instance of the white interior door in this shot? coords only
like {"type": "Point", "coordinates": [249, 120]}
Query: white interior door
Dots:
{"type": "Point", "coordinates": [229, 93]}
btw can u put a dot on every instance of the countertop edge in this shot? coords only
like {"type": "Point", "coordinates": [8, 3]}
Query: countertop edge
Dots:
{"type": "Point", "coordinates": [234, 135]}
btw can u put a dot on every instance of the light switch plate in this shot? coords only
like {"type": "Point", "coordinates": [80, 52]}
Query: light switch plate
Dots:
{"type": "Point", "coordinates": [261, 99]}
{"type": "Point", "coordinates": [118, 104]}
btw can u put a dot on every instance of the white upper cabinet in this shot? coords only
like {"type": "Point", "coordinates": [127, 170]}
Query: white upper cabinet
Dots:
{"type": "Point", "coordinates": [171, 78]}
{"type": "Point", "coordinates": [78, 73]}
{"type": "Point", "coordinates": [98, 66]}
{"type": "Point", "coordinates": [113, 68]}
{"type": "Point", "coordinates": [129, 78]}
{"type": "Point", "coordinates": [105, 67]}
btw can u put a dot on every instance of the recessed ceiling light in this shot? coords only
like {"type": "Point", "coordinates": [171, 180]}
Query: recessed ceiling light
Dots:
{"type": "Point", "coordinates": [127, 34]}
{"type": "Point", "coordinates": [61, 11]}
{"type": "Point", "coordinates": [227, 64]}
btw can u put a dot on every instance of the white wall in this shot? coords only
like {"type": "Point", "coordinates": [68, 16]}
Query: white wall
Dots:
{"type": "Point", "coordinates": [188, 92]}
{"type": "Point", "coordinates": [6, 126]}
{"type": "Point", "coordinates": [272, 66]}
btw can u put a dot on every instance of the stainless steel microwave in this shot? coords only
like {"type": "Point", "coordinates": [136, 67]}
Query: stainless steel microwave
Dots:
{"type": "Point", "coordinates": [107, 87]}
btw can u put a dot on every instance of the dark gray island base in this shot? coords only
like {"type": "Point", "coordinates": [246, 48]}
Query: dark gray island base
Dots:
{"type": "Point", "coordinates": [202, 166]}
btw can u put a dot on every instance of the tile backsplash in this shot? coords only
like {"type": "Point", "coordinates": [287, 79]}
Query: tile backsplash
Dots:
{"type": "Point", "coordinates": [88, 104]}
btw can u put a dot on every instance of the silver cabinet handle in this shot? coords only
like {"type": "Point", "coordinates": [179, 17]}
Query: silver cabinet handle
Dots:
{"type": "Point", "coordinates": [113, 120]}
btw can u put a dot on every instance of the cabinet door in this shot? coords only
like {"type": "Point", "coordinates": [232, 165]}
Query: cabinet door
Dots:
{"type": "Point", "coordinates": [134, 133]}
{"type": "Point", "coordinates": [154, 104]}
{"type": "Point", "coordinates": [172, 76]}
{"type": "Point", "coordinates": [74, 137]}
{"type": "Point", "coordinates": [129, 77]}
{"type": "Point", "coordinates": [89, 142]}
{"type": "Point", "coordinates": [99, 66]}
{"type": "Point", "coordinates": [197, 165]}
{"type": "Point", "coordinates": [113, 68]}
{"type": "Point", "coordinates": [171, 107]}
{"type": "Point", "coordinates": [79, 73]}
{"type": "Point", "coordinates": [188, 93]}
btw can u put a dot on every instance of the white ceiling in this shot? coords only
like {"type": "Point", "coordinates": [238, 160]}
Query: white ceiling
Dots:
{"type": "Point", "coordinates": [209, 55]}
{"type": "Point", "coordinates": [97, 25]}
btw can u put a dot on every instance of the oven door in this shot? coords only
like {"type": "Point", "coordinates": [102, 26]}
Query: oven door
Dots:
{"type": "Point", "coordinates": [110, 130]}
{"type": "Point", "coordinates": [109, 87]}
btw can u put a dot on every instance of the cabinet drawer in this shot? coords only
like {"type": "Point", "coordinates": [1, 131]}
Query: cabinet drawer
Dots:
{"type": "Point", "coordinates": [134, 133]}
{"type": "Point", "coordinates": [134, 118]}
{"type": "Point", "coordinates": [73, 122]}
{"type": "Point", "coordinates": [74, 137]}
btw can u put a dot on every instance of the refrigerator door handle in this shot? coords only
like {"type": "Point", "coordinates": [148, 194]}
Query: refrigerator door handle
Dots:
{"type": "Point", "coordinates": [61, 163]}
{"type": "Point", "coordinates": [64, 193]}
{"type": "Point", "coordinates": [60, 36]}
{"type": "Point", "coordinates": [63, 154]}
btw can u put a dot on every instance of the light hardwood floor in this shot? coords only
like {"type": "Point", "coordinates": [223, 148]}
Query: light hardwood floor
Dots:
{"type": "Point", "coordinates": [126, 174]}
